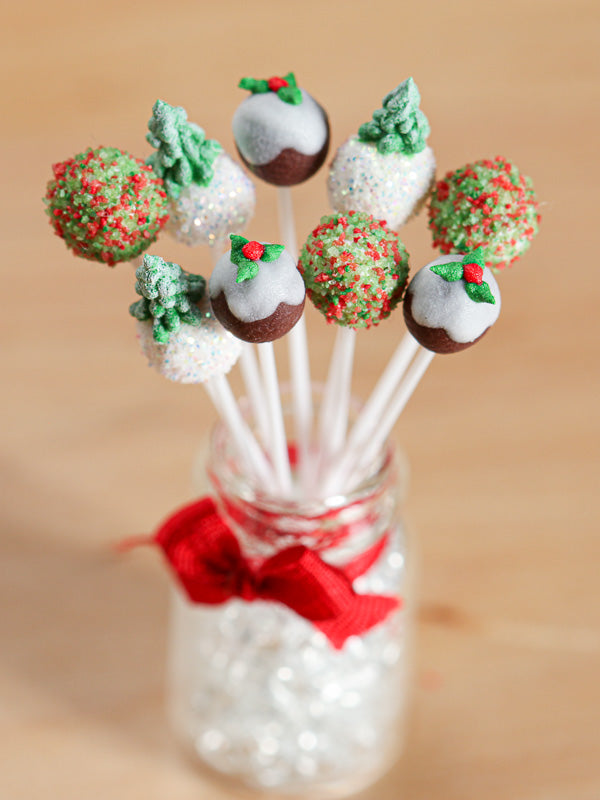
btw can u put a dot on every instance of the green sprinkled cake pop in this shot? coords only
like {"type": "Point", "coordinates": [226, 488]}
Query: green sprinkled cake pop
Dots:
{"type": "Point", "coordinates": [355, 269]}
{"type": "Point", "coordinates": [487, 205]}
{"type": "Point", "coordinates": [107, 205]}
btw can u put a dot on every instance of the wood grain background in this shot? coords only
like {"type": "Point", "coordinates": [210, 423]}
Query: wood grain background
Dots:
{"type": "Point", "coordinates": [503, 439]}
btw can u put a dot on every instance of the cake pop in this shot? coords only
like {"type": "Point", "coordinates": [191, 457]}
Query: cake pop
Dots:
{"type": "Point", "coordinates": [486, 205]}
{"type": "Point", "coordinates": [107, 205]}
{"type": "Point", "coordinates": [256, 291]}
{"type": "Point", "coordinates": [280, 131]}
{"type": "Point", "coordinates": [355, 269]}
{"type": "Point", "coordinates": [178, 332]}
{"type": "Point", "coordinates": [451, 303]}
{"type": "Point", "coordinates": [210, 196]}
{"type": "Point", "coordinates": [387, 170]}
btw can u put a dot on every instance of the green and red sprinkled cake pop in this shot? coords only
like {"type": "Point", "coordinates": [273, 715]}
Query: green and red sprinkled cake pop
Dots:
{"type": "Point", "coordinates": [107, 205]}
{"type": "Point", "coordinates": [487, 205]}
{"type": "Point", "coordinates": [355, 269]}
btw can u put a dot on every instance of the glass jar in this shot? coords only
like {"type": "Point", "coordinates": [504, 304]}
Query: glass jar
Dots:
{"type": "Point", "coordinates": [262, 695]}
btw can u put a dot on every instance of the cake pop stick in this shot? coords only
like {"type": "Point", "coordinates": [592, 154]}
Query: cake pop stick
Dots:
{"type": "Point", "coordinates": [336, 401]}
{"type": "Point", "coordinates": [450, 304]}
{"type": "Point", "coordinates": [107, 205]}
{"type": "Point", "coordinates": [298, 351]}
{"type": "Point", "coordinates": [258, 294]}
{"type": "Point", "coordinates": [255, 392]}
{"type": "Point", "coordinates": [209, 195]}
{"type": "Point", "coordinates": [184, 342]}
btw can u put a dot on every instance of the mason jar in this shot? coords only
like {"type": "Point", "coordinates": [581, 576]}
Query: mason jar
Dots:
{"type": "Point", "coordinates": [276, 701]}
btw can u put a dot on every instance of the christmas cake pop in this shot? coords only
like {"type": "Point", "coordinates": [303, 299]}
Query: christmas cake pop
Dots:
{"type": "Point", "coordinates": [177, 330]}
{"type": "Point", "coordinates": [451, 303]}
{"type": "Point", "coordinates": [210, 196]}
{"type": "Point", "coordinates": [107, 205]}
{"type": "Point", "coordinates": [387, 170]}
{"type": "Point", "coordinates": [355, 269]}
{"type": "Point", "coordinates": [256, 290]}
{"type": "Point", "coordinates": [486, 205]}
{"type": "Point", "coordinates": [280, 131]}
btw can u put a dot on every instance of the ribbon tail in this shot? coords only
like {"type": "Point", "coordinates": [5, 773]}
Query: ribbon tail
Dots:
{"type": "Point", "coordinates": [363, 562]}
{"type": "Point", "coordinates": [364, 613]}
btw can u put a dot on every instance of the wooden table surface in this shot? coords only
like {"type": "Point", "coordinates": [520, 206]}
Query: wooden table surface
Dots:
{"type": "Point", "coordinates": [503, 439]}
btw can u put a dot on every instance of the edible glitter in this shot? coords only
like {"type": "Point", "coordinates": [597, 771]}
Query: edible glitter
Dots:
{"type": "Point", "coordinates": [208, 214]}
{"type": "Point", "coordinates": [193, 354]}
{"type": "Point", "coordinates": [302, 712]}
{"type": "Point", "coordinates": [391, 187]}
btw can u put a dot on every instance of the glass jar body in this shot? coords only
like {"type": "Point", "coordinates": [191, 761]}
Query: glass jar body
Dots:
{"type": "Point", "coordinates": [260, 694]}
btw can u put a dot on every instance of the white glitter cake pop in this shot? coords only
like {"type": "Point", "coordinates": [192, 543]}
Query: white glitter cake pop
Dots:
{"type": "Point", "coordinates": [195, 353]}
{"type": "Point", "coordinates": [387, 170]}
{"type": "Point", "coordinates": [178, 332]}
{"type": "Point", "coordinates": [210, 196]}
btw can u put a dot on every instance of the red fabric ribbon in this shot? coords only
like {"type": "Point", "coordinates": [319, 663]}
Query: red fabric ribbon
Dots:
{"type": "Point", "coordinates": [208, 561]}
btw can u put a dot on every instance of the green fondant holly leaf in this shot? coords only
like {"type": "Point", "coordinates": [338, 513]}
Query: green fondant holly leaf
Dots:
{"type": "Point", "coordinates": [449, 272]}
{"type": "Point", "coordinates": [291, 80]}
{"type": "Point", "coordinates": [291, 95]}
{"type": "Point", "coordinates": [253, 85]}
{"type": "Point", "coordinates": [480, 293]}
{"type": "Point", "coordinates": [474, 257]}
{"type": "Point", "coordinates": [246, 270]}
{"type": "Point", "coordinates": [272, 252]}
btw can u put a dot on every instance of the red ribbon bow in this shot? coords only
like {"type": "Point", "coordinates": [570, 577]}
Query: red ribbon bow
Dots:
{"type": "Point", "coordinates": [207, 559]}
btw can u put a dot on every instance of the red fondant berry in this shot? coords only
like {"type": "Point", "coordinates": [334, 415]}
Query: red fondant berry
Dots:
{"type": "Point", "coordinates": [253, 250]}
{"type": "Point", "coordinates": [275, 84]}
{"type": "Point", "coordinates": [473, 273]}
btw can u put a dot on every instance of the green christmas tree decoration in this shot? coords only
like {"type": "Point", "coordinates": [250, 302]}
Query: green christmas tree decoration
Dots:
{"type": "Point", "coordinates": [469, 270]}
{"type": "Point", "coordinates": [400, 126]}
{"type": "Point", "coordinates": [246, 254]}
{"type": "Point", "coordinates": [169, 297]}
{"type": "Point", "coordinates": [184, 155]}
{"type": "Point", "coordinates": [286, 87]}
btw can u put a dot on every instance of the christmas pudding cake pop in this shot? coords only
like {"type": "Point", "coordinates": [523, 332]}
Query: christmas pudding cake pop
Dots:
{"type": "Point", "coordinates": [355, 269]}
{"type": "Point", "coordinates": [107, 205]}
{"type": "Point", "coordinates": [256, 290]}
{"type": "Point", "coordinates": [451, 303]}
{"type": "Point", "coordinates": [387, 170]}
{"type": "Point", "coordinates": [177, 330]}
{"type": "Point", "coordinates": [486, 205]}
{"type": "Point", "coordinates": [280, 131]}
{"type": "Point", "coordinates": [210, 196]}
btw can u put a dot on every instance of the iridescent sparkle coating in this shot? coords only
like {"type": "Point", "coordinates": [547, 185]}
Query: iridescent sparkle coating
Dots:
{"type": "Point", "coordinates": [208, 214]}
{"type": "Point", "coordinates": [193, 354]}
{"type": "Point", "coordinates": [392, 187]}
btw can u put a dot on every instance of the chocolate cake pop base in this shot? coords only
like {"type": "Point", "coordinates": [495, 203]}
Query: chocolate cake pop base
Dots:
{"type": "Point", "coordinates": [290, 167]}
{"type": "Point", "coordinates": [434, 339]}
{"type": "Point", "coordinates": [268, 329]}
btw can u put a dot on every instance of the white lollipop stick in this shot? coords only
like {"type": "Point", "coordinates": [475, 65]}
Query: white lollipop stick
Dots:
{"type": "Point", "coordinates": [277, 441]}
{"type": "Point", "coordinates": [298, 350]}
{"type": "Point", "coordinates": [395, 408]}
{"type": "Point", "coordinates": [254, 460]}
{"type": "Point", "coordinates": [254, 391]}
{"type": "Point", "coordinates": [368, 419]}
{"type": "Point", "coordinates": [333, 419]}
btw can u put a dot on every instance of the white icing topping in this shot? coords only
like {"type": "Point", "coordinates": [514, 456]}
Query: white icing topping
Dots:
{"type": "Point", "coordinates": [437, 303]}
{"type": "Point", "coordinates": [255, 299]}
{"type": "Point", "coordinates": [263, 126]}
{"type": "Point", "coordinates": [390, 187]}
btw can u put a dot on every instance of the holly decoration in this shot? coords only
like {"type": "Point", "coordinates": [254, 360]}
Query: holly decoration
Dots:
{"type": "Point", "coordinates": [184, 155]}
{"type": "Point", "coordinates": [400, 126]}
{"type": "Point", "coordinates": [470, 270]}
{"type": "Point", "coordinates": [169, 297]}
{"type": "Point", "coordinates": [246, 254]}
{"type": "Point", "coordinates": [285, 88]}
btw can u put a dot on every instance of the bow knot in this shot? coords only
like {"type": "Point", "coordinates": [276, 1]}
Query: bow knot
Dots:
{"type": "Point", "coordinates": [209, 564]}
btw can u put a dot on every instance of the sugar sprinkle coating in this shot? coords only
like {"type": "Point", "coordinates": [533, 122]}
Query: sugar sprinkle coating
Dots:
{"type": "Point", "coordinates": [355, 269]}
{"type": "Point", "coordinates": [194, 353]}
{"type": "Point", "coordinates": [488, 204]}
{"type": "Point", "coordinates": [106, 204]}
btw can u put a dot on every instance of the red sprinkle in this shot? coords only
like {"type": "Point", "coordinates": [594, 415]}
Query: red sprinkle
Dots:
{"type": "Point", "coordinates": [253, 250]}
{"type": "Point", "coordinates": [473, 273]}
{"type": "Point", "coordinates": [275, 84]}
